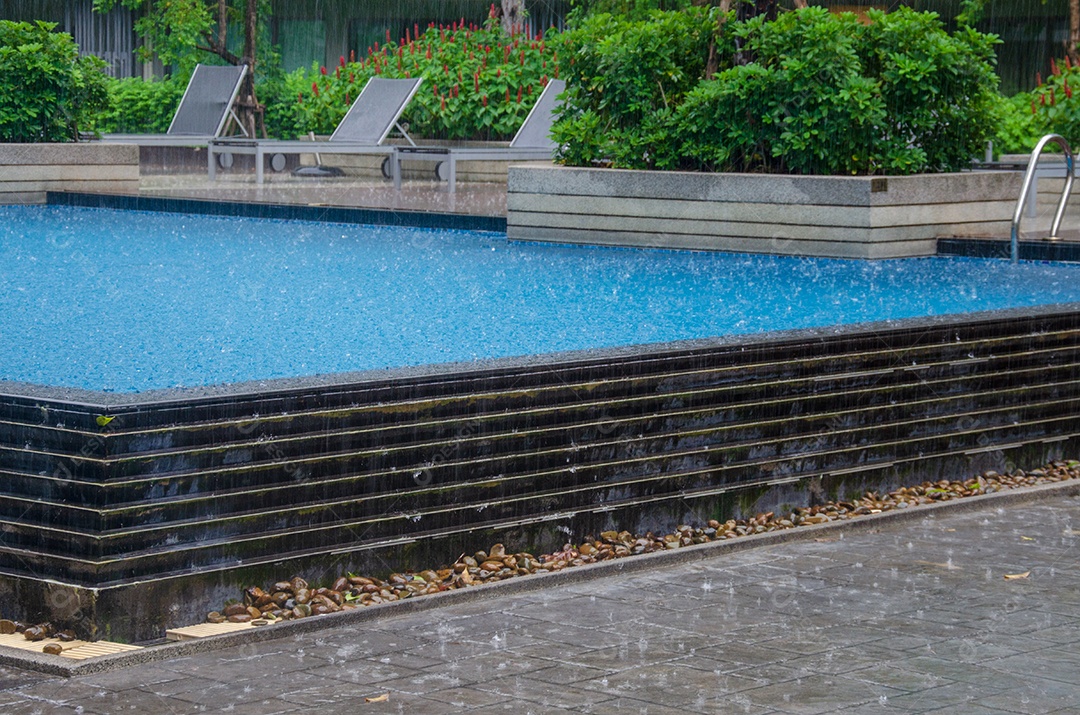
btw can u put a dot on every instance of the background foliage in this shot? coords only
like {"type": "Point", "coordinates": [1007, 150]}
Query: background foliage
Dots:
{"type": "Point", "coordinates": [139, 107]}
{"type": "Point", "coordinates": [47, 92]}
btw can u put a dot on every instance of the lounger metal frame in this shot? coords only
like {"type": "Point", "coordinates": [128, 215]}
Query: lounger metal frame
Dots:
{"type": "Point", "coordinates": [261, 148]}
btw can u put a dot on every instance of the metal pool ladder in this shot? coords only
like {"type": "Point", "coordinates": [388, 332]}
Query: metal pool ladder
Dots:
{"type": "Point", "coordinates": [1029, 176]}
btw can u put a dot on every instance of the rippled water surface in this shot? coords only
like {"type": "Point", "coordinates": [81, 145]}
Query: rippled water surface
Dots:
{"type": "Point", "coordinates": [130, 301]}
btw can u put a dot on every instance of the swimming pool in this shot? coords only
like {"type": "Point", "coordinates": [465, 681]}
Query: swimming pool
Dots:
{"type": "Point", "coordinates": [127, 301]}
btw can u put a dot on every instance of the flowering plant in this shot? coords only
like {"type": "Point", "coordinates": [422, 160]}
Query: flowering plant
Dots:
{"type": "Point", "coordinates": [479, 82]}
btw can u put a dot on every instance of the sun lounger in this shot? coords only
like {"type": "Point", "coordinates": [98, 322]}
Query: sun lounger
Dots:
{"type": "Point", "coordinates": [362, 131]}
{"type": "Point", "coordinates": [203, 112]}
{"type": "Point", "coordinates": [532, 141]}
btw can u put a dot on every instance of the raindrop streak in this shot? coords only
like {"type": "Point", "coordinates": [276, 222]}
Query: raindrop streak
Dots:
{"type": "Point", "coordinates": [132, 301]}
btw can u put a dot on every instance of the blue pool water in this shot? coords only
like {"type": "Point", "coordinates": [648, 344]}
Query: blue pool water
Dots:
{"type": "Point", "coordinates": [131, 301]}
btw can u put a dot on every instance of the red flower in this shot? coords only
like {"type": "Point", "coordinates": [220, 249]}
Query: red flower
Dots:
{"type": "Point", "coordinates": [1054, 67]}
{"type": "Point", "coordinates": [508, 95]}
{"type": "Point", "coordinates": [352, 55]}
{"type": "Point", "coordinates": [519, 95]}
{"type": "Point", "coordinates": [341, 61]}
{"type": "Point", "coordinates": [315, 89]}
{"type": "Point", "coordinates": [485, 100]}
{"type": "Point", "coordinates": [442, 104]}
{"type": "Point", "coordinates": [323, 70]}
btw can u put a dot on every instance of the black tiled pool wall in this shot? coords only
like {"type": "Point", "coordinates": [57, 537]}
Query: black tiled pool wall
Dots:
{"type": "Point", "coordinates": [132, 490]}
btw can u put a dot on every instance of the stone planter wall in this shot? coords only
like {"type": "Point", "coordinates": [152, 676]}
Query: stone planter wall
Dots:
{"type": "Point", "coordinates": [370, 166]}
{"type": "Point", "coordinates": [847, 217]}
{"type": "Point", "coordinates": [27, 171]}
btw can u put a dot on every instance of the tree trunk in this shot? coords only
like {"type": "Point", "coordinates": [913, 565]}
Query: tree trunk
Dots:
{"type": "Point", "coordinates": [249, 109]}
{"type": "Point", "coordinates": [513, 16]}
{"type": "Point", "coordinates": [800, 4]}
{"type": "Point", "coordinates": [1074, 31]}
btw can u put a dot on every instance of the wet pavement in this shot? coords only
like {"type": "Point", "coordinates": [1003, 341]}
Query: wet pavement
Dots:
{"type": "Point", "coordinates": [904, 617]}
{"type": "Point", "coordinates": [473, 198]}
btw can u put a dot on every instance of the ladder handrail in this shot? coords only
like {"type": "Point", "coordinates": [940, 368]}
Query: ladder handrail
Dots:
{"type": "Point", "coordinates": [1029, 175]}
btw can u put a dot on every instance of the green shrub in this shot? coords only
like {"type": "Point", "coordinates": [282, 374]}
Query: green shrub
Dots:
{"type": "Point", "coordinates": [478, 83]}
{"type": "Point", "coordinates": [626, 81]}
{"type": "Point", "coordinates": [1019, 126]}
{"type": "Point", "coordinates": [140, 107]}
{"type": "Point", "coordinates": [803, 106]}
{"type": "Point", "coordinates": [809, 93]}
{"type": "Point", "coordinates": [47, 92]}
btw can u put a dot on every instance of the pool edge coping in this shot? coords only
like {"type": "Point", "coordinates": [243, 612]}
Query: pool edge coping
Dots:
{"type": "Point", "coordinates": [279, 387]}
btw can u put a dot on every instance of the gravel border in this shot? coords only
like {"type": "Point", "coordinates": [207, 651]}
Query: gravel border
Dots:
{"type": "Point", "coordinates": [56, 665]}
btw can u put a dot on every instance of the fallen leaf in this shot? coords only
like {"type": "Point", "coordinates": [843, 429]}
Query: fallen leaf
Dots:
{"type": "Point", "coordinates": [824, 541]}
{"type": "Point", "coordinates": [950, 530]}
{"type": "Point", "coordinates": [378, 698]}
{"type": "Point", "coordinates": [1015, 576]}
{"type": "Point", "coordinates": [1027, 538]}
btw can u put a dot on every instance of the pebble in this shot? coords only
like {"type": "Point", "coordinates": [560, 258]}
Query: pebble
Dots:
{"type": "Point", "coordinates": [294, 598]}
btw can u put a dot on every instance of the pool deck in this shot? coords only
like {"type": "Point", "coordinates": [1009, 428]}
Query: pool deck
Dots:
{"type": "Point", "coordinates": [477, 199]}
{"type": "Point", "coordinates": [906, 615]}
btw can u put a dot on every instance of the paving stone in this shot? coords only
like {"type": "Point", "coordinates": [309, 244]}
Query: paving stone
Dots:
{"type": "Point", "coordinates": [951, 697]}
{"type": "Point", "coordinates": [669, 683]}
{"type": "Point", "coordinates": [891, 676]}
{"type": "Point", "coordinates": [819, 694]}
{"type": "Point", "coordinates": [630, 706]}
{"type": "Point", "coordinates": [527, 688]}
{"type": "Point", "coordinates": [1051, 664]}
{"type": "Point", "coordinates": [1034, 696]}
{"type": "Point", "coordinates": [360, 672]}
